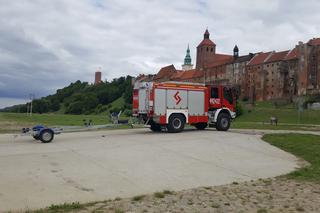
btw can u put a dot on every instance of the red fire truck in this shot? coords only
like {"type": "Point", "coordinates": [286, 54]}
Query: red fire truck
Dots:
{"type": "Point", "coordinates": [171, 105]}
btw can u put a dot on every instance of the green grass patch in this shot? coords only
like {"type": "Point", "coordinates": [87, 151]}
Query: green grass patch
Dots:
{"type": "Point", "coordinates": [168, 192]}
{"type": "Point", "coordinates": [51, 119]}
{"type": "Point", "coordinates": [304, 146]}
{"type": "Point", "coordinates": [285, 114]}
{"type": "Point", "coordinates": [258, 117]}
{"type": "Point", "coordinates": [281, 126]}
{"type": "Point", "coordinates": [118, 103]}
{"type": "Point", "coordinates": [138, 198]}
{"type": "Point", "coordinates": [14, 122]}
{"type": "Point", "coordinates": [159, 194]}
{"type": "Point", "coordinates": [66, 207]}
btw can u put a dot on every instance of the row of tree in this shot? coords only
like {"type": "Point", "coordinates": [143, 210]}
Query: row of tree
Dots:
{"type": "Point", "coordinates": [82, 98]}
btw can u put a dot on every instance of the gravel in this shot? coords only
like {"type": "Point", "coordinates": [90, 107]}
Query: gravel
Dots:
{"type": "Point", "coordinates": [264, 195]}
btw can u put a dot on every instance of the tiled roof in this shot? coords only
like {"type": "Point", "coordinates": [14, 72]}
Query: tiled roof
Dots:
{"type": "Point", "coordinates": [259, 58]}
{"type": "Point", "coordinates": [206, 42]}
{"type": "Point", "coordinates": [314, 41]}
{"type": "Point", "coordinates": [277, 56]}
{"type": "Point", "coordinates": [144, 77]}
{"type": "Point", "coordinates": [293, 54]}
{"type": "Point", "coordinates": [167, 71]}
{"type": "Point", "coordinates": [189, 74]}
{"type": "Point", "coordinates": [220, 59]}
{"type": "Point", "coordinates": [243, 58]}
{"type": "Point", "coordinates": [177, 75]}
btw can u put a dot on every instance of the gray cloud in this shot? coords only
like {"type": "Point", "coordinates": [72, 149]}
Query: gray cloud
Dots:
{"type": "Point", "coordinates": [45, 45]}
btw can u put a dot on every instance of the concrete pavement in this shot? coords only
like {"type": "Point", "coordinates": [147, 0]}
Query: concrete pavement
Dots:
{"type": "Point", "coordinates": [90, 166]}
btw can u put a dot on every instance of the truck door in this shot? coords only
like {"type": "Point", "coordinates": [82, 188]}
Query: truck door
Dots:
{"type": "Point", "coordinates": [215, 98]}
{"type": "Point", "coordinates": [228, 98]}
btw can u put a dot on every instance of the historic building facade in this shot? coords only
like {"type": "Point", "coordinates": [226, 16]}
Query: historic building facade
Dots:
{"type": "Point", "coordinates": [257, 76]}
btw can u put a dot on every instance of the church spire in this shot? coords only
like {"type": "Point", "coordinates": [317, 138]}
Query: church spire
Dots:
{"type": "Point", "coordinates": [236, 52]}
{"type": "Point", "coordinates": [206, 34]}
{"type": "Point", "coordinates": [187, 61]}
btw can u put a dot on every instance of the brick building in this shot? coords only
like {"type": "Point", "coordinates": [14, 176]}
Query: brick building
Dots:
{"type": "Point", "coordinates": [257, 76]}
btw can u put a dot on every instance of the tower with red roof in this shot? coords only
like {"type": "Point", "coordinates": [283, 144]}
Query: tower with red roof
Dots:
{"type": "Point", "coordinates": [206, 51]}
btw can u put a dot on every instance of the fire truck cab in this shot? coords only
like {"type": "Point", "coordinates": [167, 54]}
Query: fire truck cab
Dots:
{"type": "Point", "coordinates": [171, 105]}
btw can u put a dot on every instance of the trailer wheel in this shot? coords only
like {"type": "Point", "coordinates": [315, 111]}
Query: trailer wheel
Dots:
{"type": "Point", "coordinates": [46, 136]}
{"type": "Point", "coordinates": [223, 122]}
{"type": "Point", "coordinates": [201, 126]}
{"type": "Point", "coordinates": [176, 123]}
{"type": "Point", "coordinates": [155, 127]}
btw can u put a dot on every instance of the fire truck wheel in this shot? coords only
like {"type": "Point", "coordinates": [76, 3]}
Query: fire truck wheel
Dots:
{"type": "Point", "coordinates": [201, 126]}
{"type": "Point", "coordinates": [155, 127]}
{"type": "Point", "coordinates": [46, 136]}
{"type": "Point", "coordinates": [176, 123]}
{"type": "Point", "coordinates": [223, 122]}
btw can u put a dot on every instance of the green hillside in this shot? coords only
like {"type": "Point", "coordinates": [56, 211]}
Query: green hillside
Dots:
{"type": "Point", "coordinates": [84, 98]}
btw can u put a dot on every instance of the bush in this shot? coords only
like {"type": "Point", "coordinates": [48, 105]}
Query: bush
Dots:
{"type": "Point", "coordinates": [127, 112]}
{"type": "Point", "coordinates": [310, 100]}
{"type": "Point", "coordinates": [115, 109]}
{"type": "Point", "coordinates": [245, 99]}
{"type": "Point", "coordinates": [239, 109]}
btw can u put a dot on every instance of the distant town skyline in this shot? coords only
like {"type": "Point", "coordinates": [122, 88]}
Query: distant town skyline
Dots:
{"type": "Point", "coordinates": [47, 45]}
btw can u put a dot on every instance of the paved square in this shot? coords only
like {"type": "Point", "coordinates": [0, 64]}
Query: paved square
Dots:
{"type": "Point", "coordinates": [90, 166]}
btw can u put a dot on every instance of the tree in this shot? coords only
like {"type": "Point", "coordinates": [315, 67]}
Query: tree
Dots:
{"type": "Point", "coordinates": [40, 106]}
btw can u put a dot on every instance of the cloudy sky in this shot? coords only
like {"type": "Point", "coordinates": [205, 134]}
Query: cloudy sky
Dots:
{"type": "Point", "coordinates": [45, 45]}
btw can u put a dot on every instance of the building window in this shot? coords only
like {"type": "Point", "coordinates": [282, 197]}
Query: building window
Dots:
{"type": "Point", "coordinates": [207, 49]}
{"type": "Point", "coordinates": [211, 49]}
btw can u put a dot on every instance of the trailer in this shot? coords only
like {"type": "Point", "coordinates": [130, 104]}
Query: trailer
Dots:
{"type": "Point", "coordinates": [46, 134]}
{"type": "Point", "coordinates": [172, 105]}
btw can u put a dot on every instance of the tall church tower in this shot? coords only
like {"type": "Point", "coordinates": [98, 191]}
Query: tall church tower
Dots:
{"type": "Point", "coordinates": [187, 61]}
{"type": "Point", "coordinates": [206, 51]}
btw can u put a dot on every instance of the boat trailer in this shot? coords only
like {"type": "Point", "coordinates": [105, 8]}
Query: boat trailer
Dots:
{"type": "Point", "coordinates": [46, 134]}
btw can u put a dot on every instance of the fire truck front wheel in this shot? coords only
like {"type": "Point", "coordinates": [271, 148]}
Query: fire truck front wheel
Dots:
{"type": "Point", "coordinates": [176, 123]}
{"type": "Point", "coordinates": [223, 122]}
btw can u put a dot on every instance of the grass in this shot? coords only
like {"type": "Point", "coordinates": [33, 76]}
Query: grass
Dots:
{"type": "Point", "coordinates": [159, 195]}
{"type": "Point", "coordinates": [259, 125]}
{"type": "Point", "coordinates": [288, 117]}
{"type": "Point", "coordinates": [138, 198]}
{"type": "Point", "coordinates": [118, 103]}
{"type": "Point", "coordinates": [52, 119]}
{"type": "Point", "coordinates": [13, 122]}
{"type": "Point", "coordinates": [66, 207]}
{"type": "Point", "coordinates": [304, 146]}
